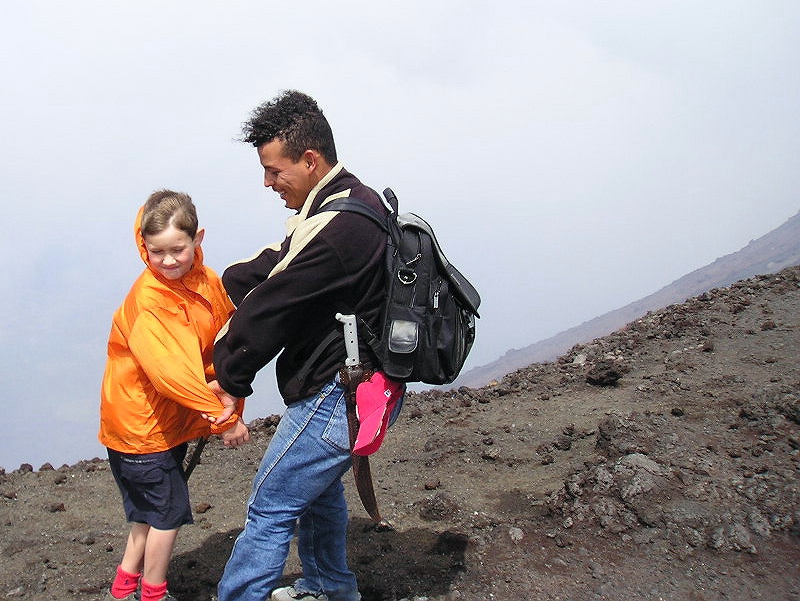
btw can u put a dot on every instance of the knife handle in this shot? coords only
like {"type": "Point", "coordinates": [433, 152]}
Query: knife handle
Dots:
{"type": "Point", "coordinates": [350, 338]}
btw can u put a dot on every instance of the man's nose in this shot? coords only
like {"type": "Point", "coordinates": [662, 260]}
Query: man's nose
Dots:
{"type": "Point", "coordinates": [169, 260]}
{"type": "Point", "coordinates": [268, 180]}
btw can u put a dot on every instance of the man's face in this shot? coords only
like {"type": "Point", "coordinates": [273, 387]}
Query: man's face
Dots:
{"type": "Point", "coordinates": [291, 180]}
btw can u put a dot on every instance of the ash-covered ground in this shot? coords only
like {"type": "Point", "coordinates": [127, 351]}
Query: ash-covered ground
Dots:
{"type": "Point", "coordinates": [659, 462]}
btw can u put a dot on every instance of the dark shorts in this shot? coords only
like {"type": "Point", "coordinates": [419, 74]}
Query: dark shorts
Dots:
{"type": "Point", "coordinates": [153, 489]}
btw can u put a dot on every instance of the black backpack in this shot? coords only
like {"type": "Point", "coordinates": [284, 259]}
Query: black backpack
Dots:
{"type": "Point", "coordinates": [428, 321]}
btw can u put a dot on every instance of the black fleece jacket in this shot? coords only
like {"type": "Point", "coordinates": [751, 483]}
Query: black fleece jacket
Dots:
{"type": "Point", "coordinates": [335, 264]}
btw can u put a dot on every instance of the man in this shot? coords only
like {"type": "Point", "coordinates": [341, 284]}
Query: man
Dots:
{"type": "Point", "coordinates": [286, 300]}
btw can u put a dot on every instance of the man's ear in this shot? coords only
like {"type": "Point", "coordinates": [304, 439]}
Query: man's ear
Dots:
{"type": "Point", "coordinates": [310, 159]}
{"type": "Point", "coordinates": [198, 237]}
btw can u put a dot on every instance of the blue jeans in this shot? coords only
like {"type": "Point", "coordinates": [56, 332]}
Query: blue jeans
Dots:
{"type": "Point", "coordinates": [298, 483]}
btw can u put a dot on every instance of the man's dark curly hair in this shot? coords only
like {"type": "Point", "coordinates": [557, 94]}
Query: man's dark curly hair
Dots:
{"type": "Point", "coordinates": [296, 120]}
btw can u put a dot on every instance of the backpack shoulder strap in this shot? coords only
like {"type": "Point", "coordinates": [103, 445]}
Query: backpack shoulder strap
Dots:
{"type": "Point", "coordinates": [354, 205]}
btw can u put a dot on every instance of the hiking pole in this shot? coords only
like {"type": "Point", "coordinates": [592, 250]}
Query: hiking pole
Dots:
{"type": "Point", "coordinates": [351, 375]}
{"type": "Point", "coordinates": [194, 458]}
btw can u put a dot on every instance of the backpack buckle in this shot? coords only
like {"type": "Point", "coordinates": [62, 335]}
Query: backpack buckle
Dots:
{"type": "Point", "coordinates": [407, 276]}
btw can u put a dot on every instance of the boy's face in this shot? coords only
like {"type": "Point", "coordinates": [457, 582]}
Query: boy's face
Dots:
{"type": "Point", "coordinates": [171, 252]}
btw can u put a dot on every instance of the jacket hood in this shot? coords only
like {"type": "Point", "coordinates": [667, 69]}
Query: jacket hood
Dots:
{"type": "Point", "coordinates": [139, 238]}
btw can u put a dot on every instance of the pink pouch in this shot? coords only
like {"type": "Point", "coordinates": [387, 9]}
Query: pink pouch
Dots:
{"type": "Point", "coordinates": [375, 399]}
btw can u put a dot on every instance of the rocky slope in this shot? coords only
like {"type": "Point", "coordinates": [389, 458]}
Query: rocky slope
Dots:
{"type": "Point", "coordinates": [659, 462]}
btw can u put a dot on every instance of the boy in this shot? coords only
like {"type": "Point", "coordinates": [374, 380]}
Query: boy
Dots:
{"type": "Point", "coordinates": [155, 388]}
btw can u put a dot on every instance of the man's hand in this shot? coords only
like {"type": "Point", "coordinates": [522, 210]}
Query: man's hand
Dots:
{"type": "Point", "coordinates": [228, 404]}
{"type": "Point", "coordinates": [236, 436]}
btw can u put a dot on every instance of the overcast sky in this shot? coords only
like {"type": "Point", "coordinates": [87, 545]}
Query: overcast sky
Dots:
{"type": "Point", "coordinates": [572, 156]}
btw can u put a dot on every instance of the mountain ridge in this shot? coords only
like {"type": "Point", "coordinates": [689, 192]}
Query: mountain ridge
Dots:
{"type": "Point", "coordinates": [767, 254]}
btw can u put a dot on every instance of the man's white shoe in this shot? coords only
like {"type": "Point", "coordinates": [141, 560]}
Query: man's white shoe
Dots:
{"type": "Point", "coordinates": [288, 593]}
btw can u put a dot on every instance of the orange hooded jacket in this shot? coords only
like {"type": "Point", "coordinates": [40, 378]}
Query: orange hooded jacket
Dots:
{"type": "Point", "coordinates": [160, 354]}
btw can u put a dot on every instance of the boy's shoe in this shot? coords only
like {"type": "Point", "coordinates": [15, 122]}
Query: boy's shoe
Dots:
{"type": "Point", "coordinates": [288, 593]}
{"type": "Point", "coordinates": [134, 596]}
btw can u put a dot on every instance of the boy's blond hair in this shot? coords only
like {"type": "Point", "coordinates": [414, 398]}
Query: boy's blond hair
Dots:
{"type": "Point", "coordinates": [166, 207]}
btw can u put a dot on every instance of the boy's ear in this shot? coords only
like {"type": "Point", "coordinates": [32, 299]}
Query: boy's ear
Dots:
{"type": "Point", "coordinates": [198, 237]}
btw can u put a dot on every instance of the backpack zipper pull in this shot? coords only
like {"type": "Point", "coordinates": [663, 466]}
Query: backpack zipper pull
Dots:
{"type": "Point", "coordinates": [413, 260]}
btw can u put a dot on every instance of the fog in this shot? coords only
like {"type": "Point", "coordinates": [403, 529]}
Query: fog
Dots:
{"type": "Point", "coordinates": [573, 157]}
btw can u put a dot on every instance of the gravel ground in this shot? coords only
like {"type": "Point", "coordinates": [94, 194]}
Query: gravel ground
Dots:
{"type": "Point", "coordinates": [659, 462]}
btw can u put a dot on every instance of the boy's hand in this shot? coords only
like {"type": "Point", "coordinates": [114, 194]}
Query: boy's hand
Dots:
{"type": "Point", "coordinates": [235, 436]}
{"type": "Point", "coordinates": [228, 404]}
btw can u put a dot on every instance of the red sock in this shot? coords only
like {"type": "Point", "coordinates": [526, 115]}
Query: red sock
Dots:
{"type": "Point", "coordinates": [124, 583]}
{"type": "Point", "coordinates": [153, 592]}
